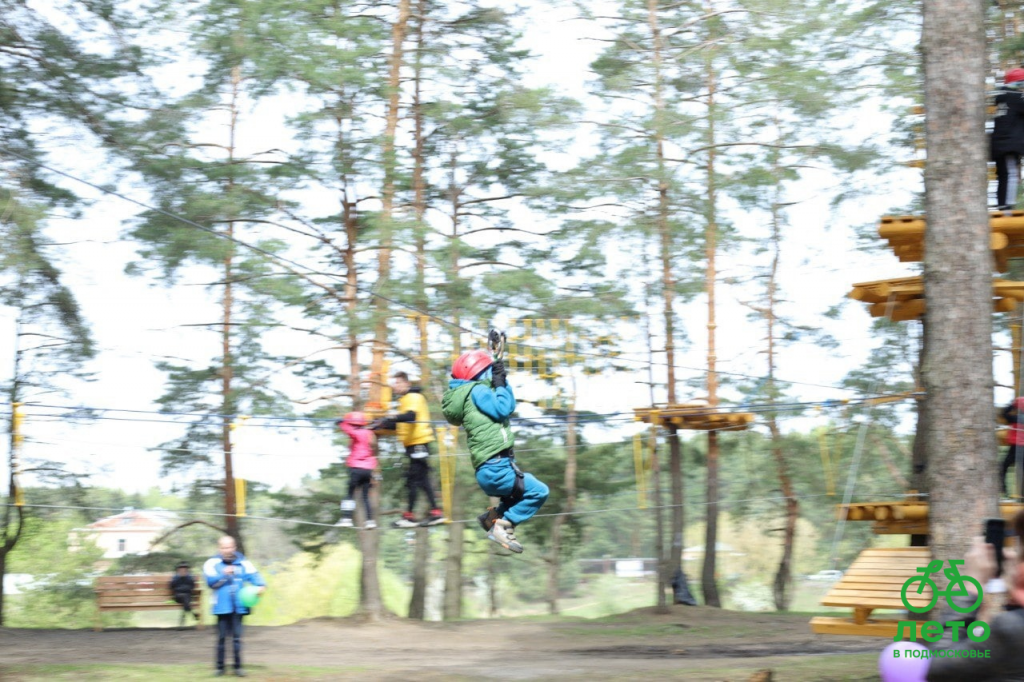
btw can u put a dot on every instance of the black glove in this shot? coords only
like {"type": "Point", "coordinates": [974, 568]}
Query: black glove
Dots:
{"type": "Point", "coordinates": [498, 374]}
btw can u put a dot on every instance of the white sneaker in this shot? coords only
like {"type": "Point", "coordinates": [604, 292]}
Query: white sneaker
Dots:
{"type": "Point", "coordinates": [346, 522]}
{"type": "Point", "coordinates": [370, 525]}
{"type": "Point", "coordinates": [504, 533]}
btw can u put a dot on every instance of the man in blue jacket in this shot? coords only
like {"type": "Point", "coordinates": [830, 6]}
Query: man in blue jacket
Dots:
{"type": "Point", "coordinates": [226, 573]}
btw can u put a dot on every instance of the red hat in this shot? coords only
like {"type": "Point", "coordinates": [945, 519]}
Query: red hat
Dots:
{"type": "Point", "coordinates": [470, 364]}
{"type": "Point", "coordinates": [1013, 76]}
{"type": "Point", "coordinates": [355, 418]}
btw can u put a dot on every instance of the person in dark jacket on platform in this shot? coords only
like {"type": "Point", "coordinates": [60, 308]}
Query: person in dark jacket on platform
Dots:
{"type": "Point", "coordinates": [1008, 138]}
{"type": "Point", "coordinates": [183, 584]}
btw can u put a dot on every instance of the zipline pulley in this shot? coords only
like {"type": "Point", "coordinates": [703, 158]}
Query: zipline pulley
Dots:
{"type": "Point", "coordinates": [496, 343]}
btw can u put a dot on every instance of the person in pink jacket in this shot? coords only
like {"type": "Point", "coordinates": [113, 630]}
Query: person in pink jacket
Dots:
{"type": "Point", "coordinates": [1015, 440]}
{"type": "Point", "coordinates": [361, 465]}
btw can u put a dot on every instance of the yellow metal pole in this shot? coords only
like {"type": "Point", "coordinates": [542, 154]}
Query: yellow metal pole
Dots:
{"type": "Point", "coordinates": [447, 442]}
{"type": "Point", "coordinates": [17, 418]}
{"type": "Point", "coordinates": [652, 440]}
{"type": "Point", "coordinates": [527, 335]}
{"type": "Point", "coordinates": [239, 421]}
{"type": "Point", "coordinates": [385, 387]}
{"type": "Point", "coordinates": [569, 359]}
{"type": "Point", "coordinates": [239, 497]}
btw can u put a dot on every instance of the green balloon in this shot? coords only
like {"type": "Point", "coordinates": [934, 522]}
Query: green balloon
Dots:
{"type": "Point", "coordinates": [248, 596]}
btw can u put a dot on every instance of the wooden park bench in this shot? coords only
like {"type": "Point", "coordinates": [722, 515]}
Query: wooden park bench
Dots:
{"type": "Point", "coordinates": [140, 593]}
{"type": "Point", "coordinates": [874, 581]}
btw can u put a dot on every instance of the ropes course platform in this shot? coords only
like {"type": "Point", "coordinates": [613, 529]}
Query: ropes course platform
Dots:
{"type": "Point", "coordinates": [694, 417]}
{"type": "Point", "coordinates": [905, 517]}
{"type": "Point", "coordinates": [905, 235]}
{"type": "Point", "coordinates": [902, 299]}
{"type": "Point", "coordinates": [873, 582]}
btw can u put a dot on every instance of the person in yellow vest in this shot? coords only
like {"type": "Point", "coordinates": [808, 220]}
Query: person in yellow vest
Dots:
{"type": "Point", "coordinates": [412, 423]}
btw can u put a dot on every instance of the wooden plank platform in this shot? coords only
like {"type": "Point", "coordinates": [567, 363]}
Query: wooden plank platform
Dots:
{"type": "Point", "coordinates": [905, 235]}
{"type": "Point", "coordinates": [905, 517]}
{"type": "Point", "coordinates": [695, 417]}
{"type": "Point", "coordinates": [872, 627]}
{"type": "Point", "coordinates": [902, 299]}
{"type": "Point", "coordinates": [874, 581]}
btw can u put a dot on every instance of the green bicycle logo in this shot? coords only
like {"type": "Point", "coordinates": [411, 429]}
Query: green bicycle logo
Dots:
{"type": "Point", "coordinates": [957, 587]}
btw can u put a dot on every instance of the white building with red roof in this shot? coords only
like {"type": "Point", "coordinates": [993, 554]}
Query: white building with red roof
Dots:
{"type": "Point", "coordinates": [130, 532]}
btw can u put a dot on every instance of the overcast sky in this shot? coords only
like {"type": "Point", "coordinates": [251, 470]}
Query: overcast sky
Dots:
{"type": "Point", "coordinates": [135, 321]}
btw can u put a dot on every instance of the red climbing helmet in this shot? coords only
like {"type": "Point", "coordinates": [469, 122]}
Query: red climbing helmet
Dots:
{"type": "Point", "coordinates": [470, 364]}
{"type": "Point", "coordinates": [356, 418]}
{"type": "Point", "coordinates": [1013, 76]}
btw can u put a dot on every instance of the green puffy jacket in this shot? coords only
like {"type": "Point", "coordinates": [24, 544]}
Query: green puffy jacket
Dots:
{"type": "Point", "coordinates": [486, 436]}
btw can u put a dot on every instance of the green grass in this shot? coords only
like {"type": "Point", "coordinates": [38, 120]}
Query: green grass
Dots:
{"type": "Point", "coordinates": [166, 673]}
{"type": "Point", "coordinates": [838, 668]}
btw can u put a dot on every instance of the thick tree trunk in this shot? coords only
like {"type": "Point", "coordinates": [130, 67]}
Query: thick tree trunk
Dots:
{"type": "Point", "coordinates": [227, 367]}
{"type": "Point", "coordinates": [420, 577]}
{"type": "Point", "coordinates": [668, 565]}
{"type": "Point", "coordinates": [662, 582]}
{"type": "Point", "coordinates": [13, 517]}
{"type": "Point", "coordinates": [919, 456]}
{"type": "Point", "coordinates": [351, 224]}
{"type": "Point", "coordinates": [674, 560]}
{"type": "Point", "coordinates": [784, 574]}
{"type": "Point", "coordinates": [554, 561]}
{"type": "Point", "coordinates": [959, 441]}
{"type": "Point", "coordinates": [492, 585]}
{"type": "Point", "coordinates": [421, 557]}
{"type": "Point", "coordinates": [453, 562]}
{"type": "Point", "coordinates": [371, 605]}
{"type": "Point", "coordinates": [659, 526]}
{"type": "Point", "coordinates": [9, 539]}
{"type": "Point", "coordinates": [709, 584]}
{"type": "Point", "coordinates": [398, 31]}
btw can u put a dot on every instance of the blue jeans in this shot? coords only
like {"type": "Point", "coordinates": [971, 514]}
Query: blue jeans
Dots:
{"type": "Point", "coordinates": [497, 478]}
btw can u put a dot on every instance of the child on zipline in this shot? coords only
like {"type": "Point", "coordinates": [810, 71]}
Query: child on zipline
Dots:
{"type": "Point", "coordinates": [480, 399]}
{"type": "Point", "coordinates": [361, 465]}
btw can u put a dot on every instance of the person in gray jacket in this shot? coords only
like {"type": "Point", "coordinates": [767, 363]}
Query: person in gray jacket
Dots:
{"type": "Point", "coordinates": [1005, 644]}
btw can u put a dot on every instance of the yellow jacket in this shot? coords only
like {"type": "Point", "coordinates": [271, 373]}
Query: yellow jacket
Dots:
{"type": "Point", "coordinates": [420, 431]}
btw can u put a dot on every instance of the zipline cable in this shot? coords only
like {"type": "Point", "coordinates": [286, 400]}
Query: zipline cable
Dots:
{"type": "Point", "coordinates": [371, 292]}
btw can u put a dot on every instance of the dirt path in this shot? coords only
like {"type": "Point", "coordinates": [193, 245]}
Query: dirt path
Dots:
{"type": "Point", "coordinates": [688, 639]}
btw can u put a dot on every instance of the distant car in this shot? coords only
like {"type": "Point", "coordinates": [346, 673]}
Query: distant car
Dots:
{"type": "Point", "coordinates": [826, 576]}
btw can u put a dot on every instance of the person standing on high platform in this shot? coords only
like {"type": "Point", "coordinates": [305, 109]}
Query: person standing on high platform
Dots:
{"type": "Point", "coordinates": [1008, 138]}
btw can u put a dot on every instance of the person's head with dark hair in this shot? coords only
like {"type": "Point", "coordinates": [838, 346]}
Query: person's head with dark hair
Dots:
{"type": "Point", "coordinates": [182, 568]}
{"type": "Point", "coordinates": [400, 383]}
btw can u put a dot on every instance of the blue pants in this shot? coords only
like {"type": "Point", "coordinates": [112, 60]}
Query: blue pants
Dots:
{"type": "Point", "coordinates": [497, 478]}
